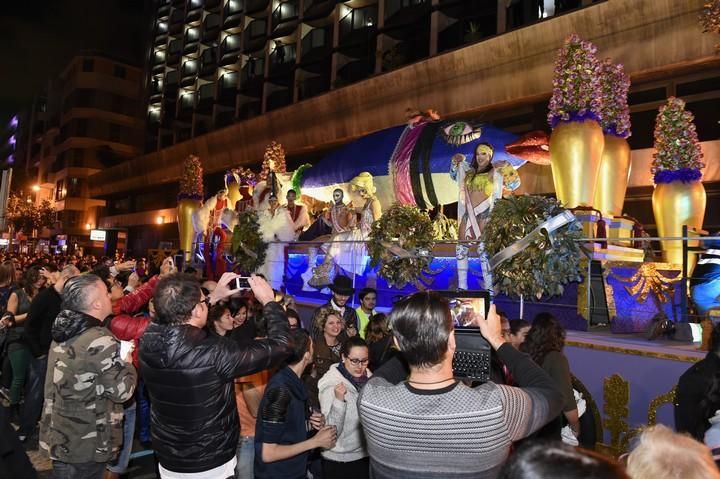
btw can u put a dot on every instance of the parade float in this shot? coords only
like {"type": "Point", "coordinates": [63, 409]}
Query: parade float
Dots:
{"type": "Point", "coordinates": [379, 210]}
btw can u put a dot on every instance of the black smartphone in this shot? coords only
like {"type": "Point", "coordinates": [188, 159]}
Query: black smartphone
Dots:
{"type": "Point", "coordinates": [241, 282]}
{"type": "Point", "coordinates": [179, 260]}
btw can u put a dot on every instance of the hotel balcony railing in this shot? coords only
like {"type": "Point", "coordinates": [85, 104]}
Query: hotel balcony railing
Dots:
{"type": "Point", "coordinates": [279, 99]}
{"type": "Point", "coordinates": [174, 52]}
{"type": "Point", "coordinates": [163, 10]}
{"type": "Point", "coordinates": [194, 10]}
{"type": "Point", "coordinates": [177, 22]}
{"type": "Point", "coordinates": [206, 98]}
{"type": "Point", "coordinates": [402, 11]}
{"type": "Point", "coordinates": [188, 73]}
{"type": "Point", "coordinates": [252, 78]}
{"type": "Point", "coordinates": [314, 86]}
{"type": "Point", "coordinates": [230, 49]}
{"type": "Point", "coordinates": [316, 44]}
{"type": "Point", "coordinates": [211, 28]}
{"type": "Point", "coordinates": [255, 35]}
{"type": "Point", "coordinates": [227, 89]}
{"type": "Point", "coordinates": [208, 62]}
{"type": "Point", "coordinates": [212, 4]}
{"type": "Point", "coordinates": [186, 105]}
{"type": "Point", "coordinates": [282, 60]}
{"type": "Point", "coordinates": [250, 110]}
{"type": "Point", "coordinates": [192, 40]}
{"type": "Point", "coordinates": [466, 31]}
{"type": "Point", "coordinates": [284, 17]}
{"type": "Point", "coordinates": [225, 118]}
{"type": "Point", "coordinates": [255, 6]}
{"type": "Point", "coordinates": [313, 9]}
{"type": "Point", "coordinates": [358, 25]}
{"type": "Point", "coordinates": [232, 13]}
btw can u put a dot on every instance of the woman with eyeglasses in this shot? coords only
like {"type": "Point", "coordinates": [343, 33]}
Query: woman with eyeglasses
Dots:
{"type": "Point", "coordinates": [339, 389]}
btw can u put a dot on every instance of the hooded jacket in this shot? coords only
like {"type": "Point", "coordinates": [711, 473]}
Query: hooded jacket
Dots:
{"type": "Point", "coordinates": [189, 375]}
{"type": "Point", "coordinates": [85, 387]}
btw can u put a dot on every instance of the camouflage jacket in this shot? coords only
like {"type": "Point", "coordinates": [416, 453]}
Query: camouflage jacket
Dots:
{"type": "Point", "coordinates": [85, 387]}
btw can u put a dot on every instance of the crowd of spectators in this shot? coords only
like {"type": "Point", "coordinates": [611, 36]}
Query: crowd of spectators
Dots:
{"type": "Point", "coordinates": [220, 382]}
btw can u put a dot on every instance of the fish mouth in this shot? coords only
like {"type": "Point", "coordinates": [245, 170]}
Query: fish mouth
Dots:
{"type": "Point", "coordinates": [533, 147]}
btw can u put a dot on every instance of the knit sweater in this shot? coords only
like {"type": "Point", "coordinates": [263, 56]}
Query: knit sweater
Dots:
{"type": "Point", "coordinates": [350, 444]}
{"type": "Point", "coordinates": [457, 431]}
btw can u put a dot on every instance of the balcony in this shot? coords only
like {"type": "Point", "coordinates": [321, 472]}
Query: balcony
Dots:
{"type": "Point", "coordinates": [211, 28]}
{"type": "Point", "coordinates": [282, 63]}
{"type": "Point", "coordinates": [194, 11]}
{"type": "Point", "coordinates": [188, 72]}
{"type": "Point", "coordinates": [163, 10]}
{"type": "Point", "coordinates": [405, 12]}
{"type": "Point", "coordinates": [255, 36]}
{"type": "Point", "coordinates": [284, 18]}
{"type": "Point", "coordinates": [206, 98]}
{"type": "Point", "coordinates": [232, 13]}
{"type": "Point", "coordinates": [314, 85]}
{"type": "Point", "coordinates": [186, 105]}
{"type": "Point", "coordinates": [167, 116]}
{"type": "Point", "coordinates": [316, 45]}
{"type": "Point", "coordinates": [192, 40]}
{"type": "Point", "coordinates": [156, 89]}
{"type": "Point", "coordinates": [177, 22]}
{"type": "Point", "coordinates": [225, 117]}
{"type": "Point", "coordinates": [158, 64]}
{"type": "Point", "coordinates": [252, 77]}
{"type": "Point", "coordinates": [317, 9]}
{"type": "Point", "coordinates": [230, 49]}
{"type": "Point", "coordinates": [358, 27]}
{"type": "Point", "coordinates": [464, 32]}
{"type": "Point", "coordinates": [279, 99]}
{"type": "Point", "coordinates": [161, 33]}
{"type": "Point", "coordinates": [253, 7]}
{"type": "Point", "coordinates": [250, 109]}
{"type": "Point", "coordinates": [227, 89]}
{"type": "Point", "coordinates": [174, 52]}
{"type": "Point", "coordinates": [208, 62]}
{"type": "Point", "coordinates": [212, 5]}
{"type": "Point", "coordinates": [172, 81]}
{"type": "Point", "coordinates": [355, 70]}
{"type": "Point", "coordinates": [409, 50]}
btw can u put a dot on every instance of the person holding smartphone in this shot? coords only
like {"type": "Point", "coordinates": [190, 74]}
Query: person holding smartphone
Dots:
{"type": "Point", "coordinates": [412, 427]}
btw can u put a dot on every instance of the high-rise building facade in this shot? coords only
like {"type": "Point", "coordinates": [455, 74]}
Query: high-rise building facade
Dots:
{"type": "Point", "coordinates": [215, 62]}
{"type": "Point", "coordinates": [89, 119]}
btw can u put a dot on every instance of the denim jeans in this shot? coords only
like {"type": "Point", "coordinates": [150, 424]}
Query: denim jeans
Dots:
{"type": "Point", "coordinates": [83, 470]}
{"type": "Point", "coordinates": [245, 458]}
{"type": "Point", "coordinates": [34, 394]}
{"type": "Point", "coordinates": [143, 412]}
{"type": "Point", "coordinates": [121, 464]}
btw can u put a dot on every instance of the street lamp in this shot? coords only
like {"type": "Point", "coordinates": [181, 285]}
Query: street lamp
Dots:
{"type": "Point", "coordinates": [160, 220]}
{"type": "Point", "coordinates": [36, 188]}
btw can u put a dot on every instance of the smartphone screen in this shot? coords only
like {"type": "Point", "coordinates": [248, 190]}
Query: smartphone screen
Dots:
{"type": "Point", "coordinates": [179, 260]}
{"type": "Point", "coordinates": [240, 283]}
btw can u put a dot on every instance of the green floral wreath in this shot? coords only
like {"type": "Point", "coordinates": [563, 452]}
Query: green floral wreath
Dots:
{"type": "Point", "coordinates": [401, 244]}
{"type": "Point", "coordinates": [548, 263]}
{"type": "Point", "coordinates": [248, 246]}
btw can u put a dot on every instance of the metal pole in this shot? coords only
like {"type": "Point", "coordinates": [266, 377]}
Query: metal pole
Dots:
{"type": "Point", "coordinates": [683, 282]}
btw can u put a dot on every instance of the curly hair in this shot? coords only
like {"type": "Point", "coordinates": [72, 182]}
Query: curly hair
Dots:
{"type": "Point", "coordinates": [545, 335]}
{"type": "Point", "coordinates": [322, 316]}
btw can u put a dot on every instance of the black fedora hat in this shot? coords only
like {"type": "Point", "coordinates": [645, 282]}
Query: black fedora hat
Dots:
{"type": "Point", "coordinates": [342, 285]}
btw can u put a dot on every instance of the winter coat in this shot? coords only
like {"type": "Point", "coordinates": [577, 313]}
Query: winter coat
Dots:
{"type": "Point", "coordinates": [190, 375]}
{"type": "Point", "coordinates": [85, 386]}
{"type": "Point", "coordinates": [350, 444]}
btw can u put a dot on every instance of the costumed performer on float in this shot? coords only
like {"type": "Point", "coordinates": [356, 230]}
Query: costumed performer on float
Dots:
{"type": "Point", "coordinates": [480, 184]}
{"type": "Point", "coordinates": [339, 218]}
{"type": "Point", "coordinates": [298, 213]}
{"type": "Point", "coordinates": [276, 225]}
{"type": "Point", "coordinates": [348, 249]}
{"type": "Point", "coordinates": [209, 234]}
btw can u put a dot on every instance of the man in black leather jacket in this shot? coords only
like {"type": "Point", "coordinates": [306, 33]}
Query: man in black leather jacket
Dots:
{"type": "Point", "coordinates": [189, 375]}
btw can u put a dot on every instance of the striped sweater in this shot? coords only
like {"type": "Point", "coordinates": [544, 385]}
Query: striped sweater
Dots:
{"type": "Point", "coordinates": [457, 431]}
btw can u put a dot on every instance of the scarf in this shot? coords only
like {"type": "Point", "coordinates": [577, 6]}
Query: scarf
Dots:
{"type": "Point", "coordinates": [357, 382]}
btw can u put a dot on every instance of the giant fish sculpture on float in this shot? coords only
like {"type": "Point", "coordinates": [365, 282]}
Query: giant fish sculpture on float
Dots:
{"type": "Point", "coordinates": [411, 164]}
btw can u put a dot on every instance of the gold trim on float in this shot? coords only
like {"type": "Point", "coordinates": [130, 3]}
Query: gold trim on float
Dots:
{"type": "Point", "coordinates": [634, 352]}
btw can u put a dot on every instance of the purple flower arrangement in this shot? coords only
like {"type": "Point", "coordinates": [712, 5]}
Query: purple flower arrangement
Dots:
{"type": "Point", "coordinates": [614, 111]}
{"type": "Point", "coordinates": [576, 83]}
{"type": "Point", "coordinates": [678, 156]}
{"type": "Point", "coordinates": [191, 183]}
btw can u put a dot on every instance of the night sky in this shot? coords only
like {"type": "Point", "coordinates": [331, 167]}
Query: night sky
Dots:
{"type": "Point", "coordinates": [41, 36]}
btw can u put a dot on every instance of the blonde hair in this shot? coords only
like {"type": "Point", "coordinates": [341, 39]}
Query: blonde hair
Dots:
{"type": "Point", "coordinates": [323, 315]}
{"type": "Point", "coordinates": [363, 181]}
{"type": "Point", "coordinates": [664, 454]}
